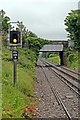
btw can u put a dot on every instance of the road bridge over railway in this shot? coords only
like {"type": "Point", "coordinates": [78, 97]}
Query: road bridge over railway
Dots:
{"type": "Point", "coordinates": [57, 46]}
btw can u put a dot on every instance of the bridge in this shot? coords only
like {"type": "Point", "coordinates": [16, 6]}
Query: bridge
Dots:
{"type": "Point", "coordinates": [57, 46]}
{"type": "Point", "coordinates": [51, 48]}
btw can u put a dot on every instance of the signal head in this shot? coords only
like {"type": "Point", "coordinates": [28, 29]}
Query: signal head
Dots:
{"type": "Point", "coordinates": [15, 38]}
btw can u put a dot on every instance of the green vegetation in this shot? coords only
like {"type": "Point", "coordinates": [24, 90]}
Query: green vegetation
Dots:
{"type": "Point", "coordinates": [15, 99]}
{"type": "Point", "coordinates": [79, 61]}
{"type": "Point", "coordinates": [72, 59]}
{"type": "Point", "coordinates": [35, 43]}
{"type": "Point", "coordinates": [0, 80]}
{"type": "Point", "coordinates": [72, 22]}
{"type": "Point", "coordinates": [54, 58]}
{"type": "Point", "coordinates": [5, 21]}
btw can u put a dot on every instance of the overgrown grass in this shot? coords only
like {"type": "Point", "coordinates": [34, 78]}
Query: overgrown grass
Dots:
{"type": "Point", "coordinates": [54, 58]}
{"type": "Point", "coordinates": [79, 61]}
{"type": "Point", "coordinates": [0, 79]}
{"type": "Point", "coordinates": [73, 60]}
{"type": "Point", "coordinates": [15, 99]}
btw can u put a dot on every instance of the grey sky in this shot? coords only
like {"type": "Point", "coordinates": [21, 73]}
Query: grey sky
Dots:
{"type": "Point", "coordinates": [43, 17]}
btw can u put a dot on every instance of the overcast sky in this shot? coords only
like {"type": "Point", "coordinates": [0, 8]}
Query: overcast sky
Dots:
{"type": "Point", "coordinates": [43, 17]}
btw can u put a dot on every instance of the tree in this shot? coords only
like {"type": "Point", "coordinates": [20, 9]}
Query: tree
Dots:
{"type": "Point", "coordinates": [2, 13]}
{"type": "Point", "coordinates": [35, 43]}
{"type": "Point", "coordinates": [31, 34]}
{"type": "Point", "coordinates": [72, 22]}
{"type": "Point", "coordinates": [5, 21]}
{"type": "Point", "coordinates": [5, 24]}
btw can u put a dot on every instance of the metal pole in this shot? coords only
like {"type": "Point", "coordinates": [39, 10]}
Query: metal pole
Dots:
{"type": "Point", "coordinates": [15, 70]}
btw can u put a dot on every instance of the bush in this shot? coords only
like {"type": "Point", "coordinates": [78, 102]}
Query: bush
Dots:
{"type": "Point", "coordinates": [73, 60]}
{"type": "Point", "coordinates": [54, 58]}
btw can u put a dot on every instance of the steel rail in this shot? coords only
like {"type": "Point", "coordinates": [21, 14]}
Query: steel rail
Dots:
{"type": "Point", "coordinates": [76, 79]}
{"type": "Point", "coordinates": [57, 96]}
{"type": "Point", "coordinates": [68, 84]}
{"type": "Point", "coordinates": [75, 72]}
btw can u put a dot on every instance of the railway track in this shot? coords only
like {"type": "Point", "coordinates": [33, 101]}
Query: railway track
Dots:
{"type": "Point", "coordinates": [73, 74]}
{"type": "Point", "coordinates": [67, 78]}
{"type": "Point", "coordinates": [56, 92]}
{"type": "Point", "coordinates": [70, 70]}
{"type": "Point", "coordinates": [49, 106]}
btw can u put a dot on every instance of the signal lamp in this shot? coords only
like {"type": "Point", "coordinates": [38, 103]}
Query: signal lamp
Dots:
{"type": "Point", "coordinates": [14, 41]}
{"type": "Point", "coordinates": [15, 38]}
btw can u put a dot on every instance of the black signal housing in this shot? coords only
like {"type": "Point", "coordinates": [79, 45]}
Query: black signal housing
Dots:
{"type": "Point", "coordinates": [15, 38]}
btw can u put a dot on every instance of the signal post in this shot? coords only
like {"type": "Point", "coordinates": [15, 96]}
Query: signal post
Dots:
{"type": "Point", "coordinates": [15, 39]}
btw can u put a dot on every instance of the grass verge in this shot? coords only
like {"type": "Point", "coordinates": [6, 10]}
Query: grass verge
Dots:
{"type": "Point", "coordinates": [54, 58]}
{"type": "Point", "coordinates": [15, 99]}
